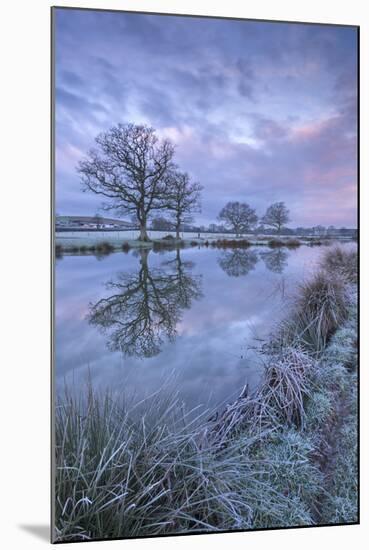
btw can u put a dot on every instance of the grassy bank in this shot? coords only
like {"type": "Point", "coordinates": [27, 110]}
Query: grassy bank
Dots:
{"type": "Point", "coordinates": [284, 455]}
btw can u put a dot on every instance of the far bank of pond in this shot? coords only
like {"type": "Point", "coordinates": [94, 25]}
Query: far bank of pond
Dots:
{"type": "Point", "coordinates": [107, 241]}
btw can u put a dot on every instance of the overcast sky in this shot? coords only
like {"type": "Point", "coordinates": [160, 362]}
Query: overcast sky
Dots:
{"type": "Point", "coordinates": [259, 112]}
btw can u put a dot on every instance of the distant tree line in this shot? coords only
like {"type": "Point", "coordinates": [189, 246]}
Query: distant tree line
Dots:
{"type": "Point", "coordinates": [241, 218]}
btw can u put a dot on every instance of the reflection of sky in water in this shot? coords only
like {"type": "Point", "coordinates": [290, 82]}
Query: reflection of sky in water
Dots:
{"type": "Point", "coordinates": [212, 356]}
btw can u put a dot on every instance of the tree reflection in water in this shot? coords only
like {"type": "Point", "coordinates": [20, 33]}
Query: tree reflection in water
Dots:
{"type": "Point", "coordinates": [238, 261]}
{"type": "Point", "coordinates": [275, 260]}
{"type": "Point", "coordinates": [145, 307]}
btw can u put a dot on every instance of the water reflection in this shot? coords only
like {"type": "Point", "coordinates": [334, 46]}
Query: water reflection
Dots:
{"type": "Point", "coordinates": [213, 352]}
{"type": "Point", "coordinates": [144, 307]}
{"type": "Point", "coordinates": [238, 261]}
{"type": "Point", "coordinates": [275, 260]}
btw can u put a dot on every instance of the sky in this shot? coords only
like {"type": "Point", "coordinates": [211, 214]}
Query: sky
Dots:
{"type": "Point", "coordinates": [259, 112]}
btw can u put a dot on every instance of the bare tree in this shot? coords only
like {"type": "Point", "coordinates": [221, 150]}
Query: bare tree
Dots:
{"type": "Point", "coordinates": [128, 169]}
{"type": "Point", "coordinates": [183, 198]}
{"type": "Point", "coordinates": [97, 220]}
{"type": "Point", "coordinates": [276, 216]}
{"type": "Point", "coordinates": [239, 217]}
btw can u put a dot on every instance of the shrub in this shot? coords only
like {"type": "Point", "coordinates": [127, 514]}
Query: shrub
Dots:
{"type": "Point", "coordinates": [231, 243]}
{"type": "Point", "coordinates": [274, 243]}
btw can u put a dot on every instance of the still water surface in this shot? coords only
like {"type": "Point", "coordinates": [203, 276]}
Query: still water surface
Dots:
{"type": "Point", "coordinates": [132, 322]}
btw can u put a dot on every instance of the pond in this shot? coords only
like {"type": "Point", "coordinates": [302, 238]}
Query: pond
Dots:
{"type": "Point", "coordinates": [187, 321]}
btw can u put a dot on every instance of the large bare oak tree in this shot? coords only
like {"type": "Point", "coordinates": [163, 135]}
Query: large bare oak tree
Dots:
{"type": "Point", "coordinates": [128, 169]}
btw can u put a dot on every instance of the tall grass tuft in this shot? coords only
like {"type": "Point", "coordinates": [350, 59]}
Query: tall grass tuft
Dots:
{"type": "Point", "coordinates": [279, 400]}
{"type": "Point", "coordinates": [320, 308]}
{"type": "Point", "coordinates": [342, 261]}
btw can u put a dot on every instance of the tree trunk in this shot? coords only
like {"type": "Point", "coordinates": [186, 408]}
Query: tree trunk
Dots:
{"type": "Point", "coordinates": [143, 232]}
{"type": "Point", "coordinates": [178, 225]}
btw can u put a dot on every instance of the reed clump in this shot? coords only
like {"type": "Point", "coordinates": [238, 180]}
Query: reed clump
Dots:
{"type": "Point", "coordinates": [340, 260]}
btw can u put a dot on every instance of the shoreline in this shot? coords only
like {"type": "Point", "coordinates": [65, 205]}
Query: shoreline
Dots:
{"type": "Point", "coordinates": [93, 244]}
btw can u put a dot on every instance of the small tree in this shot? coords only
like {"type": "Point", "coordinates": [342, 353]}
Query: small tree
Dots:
{"type": "Point", "coordinates": [98, 220]}
{"type": "Point", "coordinates": [183, 198]}
{"type": "Point", "coordinates": [128, 169]}
{"type": "Point", "coordinates": [276, 216]}
{"type": "Point", "coordinates": [239, 217]}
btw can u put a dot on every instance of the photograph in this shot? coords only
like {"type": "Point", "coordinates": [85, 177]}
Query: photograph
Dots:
{"type": "Point", "coordinates": [205, 228]}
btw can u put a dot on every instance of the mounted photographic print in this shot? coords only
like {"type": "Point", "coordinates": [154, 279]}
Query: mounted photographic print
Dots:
{"type": "Point", "coordinates": [205, 247]}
